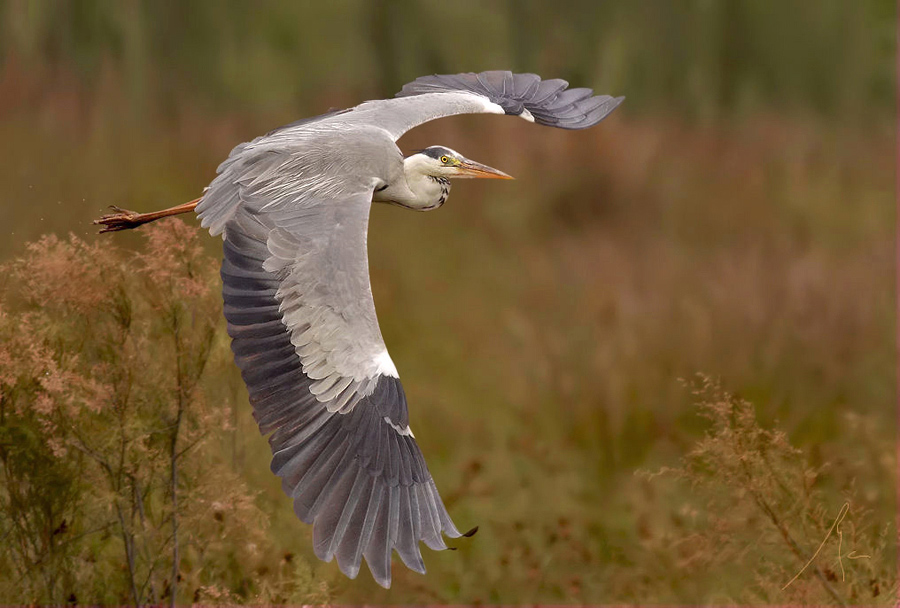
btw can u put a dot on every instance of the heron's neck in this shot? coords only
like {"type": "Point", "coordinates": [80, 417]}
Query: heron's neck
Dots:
{"type": "Point", "coordinates": [431, 192]}
{"type": "Point", "coordinates": [422, 192]}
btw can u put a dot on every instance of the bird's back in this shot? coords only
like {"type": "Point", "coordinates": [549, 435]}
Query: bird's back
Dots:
{"type": "Point", "coordinates": [297, 164]}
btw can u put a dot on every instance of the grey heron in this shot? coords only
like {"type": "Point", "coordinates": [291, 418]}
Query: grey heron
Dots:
{"type": "Point", "coordinates": [293, 209]}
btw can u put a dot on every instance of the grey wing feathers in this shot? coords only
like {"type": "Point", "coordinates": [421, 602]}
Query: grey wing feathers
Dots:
{"type": "Point", "coordinates": [293, 208]}
{"type": "Point", "coordinates": [548, 101]}
{"type": "Point", "coordinates": [362, 484]}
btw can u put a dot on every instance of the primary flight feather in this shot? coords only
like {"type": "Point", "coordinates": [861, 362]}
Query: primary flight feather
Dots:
{"type": "Point", "coordinates": [293, 209]}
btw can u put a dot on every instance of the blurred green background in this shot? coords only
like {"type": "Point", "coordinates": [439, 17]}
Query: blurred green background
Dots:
{"type": "Point", "coordinates": [734, 217]}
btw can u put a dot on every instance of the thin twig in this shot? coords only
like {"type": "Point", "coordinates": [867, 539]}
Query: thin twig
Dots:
{"type": "Point", "coordinates": [139, 500]}
{"type": "Point", "coordinates": [841, 514]}
{"type": "Point", "coordinates": [174, 455]}
{"type": "Point", "coordinates": [129, 554]}
{"type": "Point", "coordinates": [785, 534]}
{"type": "Point", "coordinates": [192, 444]}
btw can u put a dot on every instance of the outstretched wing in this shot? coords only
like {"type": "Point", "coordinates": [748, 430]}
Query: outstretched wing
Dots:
{"type": "Point", "coordinates": [293, 206]}
{"type": "Point", "coordinates": [305, 336]}
{"type": "Point", "coordinates": [546, 102]}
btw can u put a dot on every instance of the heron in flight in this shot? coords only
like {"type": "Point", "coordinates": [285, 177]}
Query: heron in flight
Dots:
{"type": "Point", "coordinates": [293, 209]}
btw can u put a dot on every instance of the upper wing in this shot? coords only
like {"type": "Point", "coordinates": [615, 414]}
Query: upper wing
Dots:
{"type": "Point", "coordinates": [546, 102]}
{"type": "Point", "coordinates": [304, 333]}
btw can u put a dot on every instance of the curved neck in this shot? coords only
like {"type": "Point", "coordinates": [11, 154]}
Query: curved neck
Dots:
{"type": "Point", "coordinates": [421, 191]}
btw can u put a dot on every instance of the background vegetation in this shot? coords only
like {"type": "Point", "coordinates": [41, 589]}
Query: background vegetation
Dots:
{"type": "Point", "coordinates": [733, 218]}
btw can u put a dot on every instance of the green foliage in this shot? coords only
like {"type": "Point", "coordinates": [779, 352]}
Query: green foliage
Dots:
{"type": "Point", "coordinates": [695, 57]}
{"type": "Point", "coordinates": [116, 488]}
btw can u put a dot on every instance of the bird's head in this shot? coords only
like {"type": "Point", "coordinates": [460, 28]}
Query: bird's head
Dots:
{"type": "Point", "coordinates": [439, 161]}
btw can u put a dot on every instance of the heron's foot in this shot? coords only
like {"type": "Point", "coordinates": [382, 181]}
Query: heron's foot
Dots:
{"type": "Point", "coordinates": [122, 219]}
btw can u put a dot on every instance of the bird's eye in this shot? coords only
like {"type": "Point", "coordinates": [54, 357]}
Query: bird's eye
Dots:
{"type": "Point", "coordinates": [445, 160]}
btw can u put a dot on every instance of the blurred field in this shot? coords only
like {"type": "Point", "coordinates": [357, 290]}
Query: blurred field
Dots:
{"type": "Point", "coordinates": [734, 218]}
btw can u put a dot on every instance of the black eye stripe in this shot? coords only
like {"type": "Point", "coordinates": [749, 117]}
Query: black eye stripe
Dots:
{"type": "Point", "coordinates": [436, 152]}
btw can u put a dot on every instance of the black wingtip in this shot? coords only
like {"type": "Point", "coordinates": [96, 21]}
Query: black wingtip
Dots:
{"type": "Point", "coordinates": [468, 534]}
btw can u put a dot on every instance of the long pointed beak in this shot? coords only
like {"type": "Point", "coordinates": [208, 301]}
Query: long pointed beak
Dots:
{"type": "Point", "coordinates": [469, 168]}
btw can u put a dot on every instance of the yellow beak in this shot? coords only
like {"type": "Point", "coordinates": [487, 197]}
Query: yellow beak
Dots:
{"type": "Point", "coordinates": [469, 168]}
